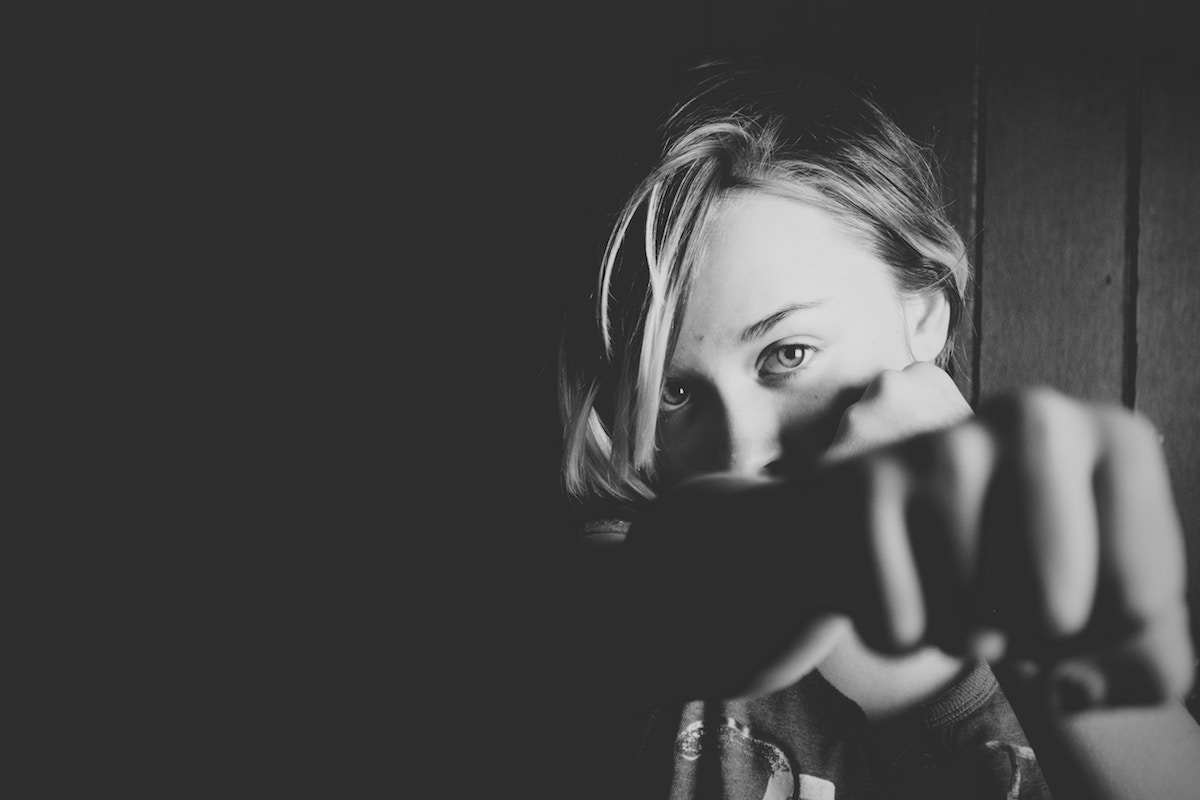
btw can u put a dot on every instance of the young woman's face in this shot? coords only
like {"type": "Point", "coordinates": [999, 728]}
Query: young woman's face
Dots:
{"type": "Point", "coordinates": [788, 319]}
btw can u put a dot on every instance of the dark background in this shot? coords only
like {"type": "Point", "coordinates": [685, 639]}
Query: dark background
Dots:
{"type": "Point", "coordinates": [317, 255]}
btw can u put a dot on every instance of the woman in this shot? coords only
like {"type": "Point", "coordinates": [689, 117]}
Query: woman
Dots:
{"type": "Point", "coordinates": [802, 550]}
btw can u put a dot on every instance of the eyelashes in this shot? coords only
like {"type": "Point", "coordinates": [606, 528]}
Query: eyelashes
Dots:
{"type": "Point", "coordinates": [778, 362]}
{"type": "Point", "coordinates": [675, 394]}
{"type": "Point", "coordinates": [784, 358]}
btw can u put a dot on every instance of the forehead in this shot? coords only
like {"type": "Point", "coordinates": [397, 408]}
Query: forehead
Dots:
{"type": "Point", "coordinates": [763, 251]}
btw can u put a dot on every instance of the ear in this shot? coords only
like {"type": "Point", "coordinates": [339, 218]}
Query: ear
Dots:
{"type": "Point", "coordinates": [927, 319]}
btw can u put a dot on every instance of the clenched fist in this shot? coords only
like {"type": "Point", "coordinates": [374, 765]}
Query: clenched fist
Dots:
{"type": "Point", "coordinates": [1042, 529]}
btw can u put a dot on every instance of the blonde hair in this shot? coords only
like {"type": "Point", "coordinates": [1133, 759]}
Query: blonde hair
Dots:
{"type": "Point", "coordinates": [736, 126]}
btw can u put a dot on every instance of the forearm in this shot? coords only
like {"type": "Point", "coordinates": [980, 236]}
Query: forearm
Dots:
{"type": "Point", "coordinates": [661, 614]}
{"type": "Point", "coordinates": [1110, 754]}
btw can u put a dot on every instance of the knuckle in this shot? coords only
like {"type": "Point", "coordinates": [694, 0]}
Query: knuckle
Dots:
{"type": "Point", "coordinates": [883, 384]}
{"type": "Point", "coordinates": [1136, 430]}
{"type": "Point", "coordinates": [927, 371]}
{"type": "Point", "coordinates": [962, 444]}
{"type": "Point", "coordinates": [1027, 414]}
{"type": "Point", "coordinates": [1053, 431]}
{"type": "Point", "coordinates": [889, 378]}
{"type": "Point", "coordinates": [1129, 440]}
{"type": "Point", "coordinates": [1039, 407]}
{"type": "Point", "coordinates": [853, 415]}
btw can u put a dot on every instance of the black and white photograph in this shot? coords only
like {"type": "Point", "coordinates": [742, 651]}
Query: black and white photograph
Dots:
{"type": "Point", "coordinates": [655, 400]}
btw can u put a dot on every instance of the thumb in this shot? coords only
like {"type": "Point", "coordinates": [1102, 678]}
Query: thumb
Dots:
{"type": "Point", "coordinates": [1154, 665]}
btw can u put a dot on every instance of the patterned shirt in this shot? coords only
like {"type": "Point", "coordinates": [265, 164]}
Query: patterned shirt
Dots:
{"type": "Point", "coordinates": [811, 742]}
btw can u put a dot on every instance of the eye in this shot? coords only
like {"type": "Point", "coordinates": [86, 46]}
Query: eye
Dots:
{"type": "Point", "coordinates": [784, 358]}
{"type": "Point", "coordinates": [674, 395]}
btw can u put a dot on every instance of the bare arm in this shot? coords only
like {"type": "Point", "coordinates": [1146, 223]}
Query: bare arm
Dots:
{"type": "Point", "coordinates": [1072, 553]}
{"type": "Point", "coordinates": [1044, 522]}
{"type": "Point", "coordinates": [1109, 754]}
{"type": "Point", "coordinates": [660, 615]}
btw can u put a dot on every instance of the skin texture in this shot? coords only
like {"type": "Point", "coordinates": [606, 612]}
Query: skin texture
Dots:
{"type": "Point", "coordinates": [796, 348]}
{"type": "Point", "coordinates": [886, 531]}
{"type": "Point", "coordinates": [837, 372]}
{"type": "Point", "coordinates": [754, 405]}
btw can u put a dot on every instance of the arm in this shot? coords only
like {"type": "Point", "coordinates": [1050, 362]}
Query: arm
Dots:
{"type": "Point", "coordinates": [1109, 754]}
{"type": "Point", "coordinates": [1050, 525]}
{"type": "Point", "coordinates": [1042, 529]}
{"type": "Point", "coordinates": [660, 615]}
{"type": "Point", "coordinates": [660, 599]}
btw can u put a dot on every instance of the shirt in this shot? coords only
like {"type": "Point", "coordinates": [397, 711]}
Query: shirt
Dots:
{"type": "Point", "coordinates": [809, 741]}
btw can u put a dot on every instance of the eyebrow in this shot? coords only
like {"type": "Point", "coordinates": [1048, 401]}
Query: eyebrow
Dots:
{"type": "Point", "coordinates": [765, 324]}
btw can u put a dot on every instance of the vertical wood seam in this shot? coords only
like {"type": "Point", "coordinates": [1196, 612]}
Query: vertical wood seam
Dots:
{"type": "Point", "coordinates": [1133, 187]}
{"type": "Point", "coordinates": [978, 176]}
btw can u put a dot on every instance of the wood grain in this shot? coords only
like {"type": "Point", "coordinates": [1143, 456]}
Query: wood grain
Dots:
{"type": "Point", "coordinates": [1168, 301]}
{"type": "Point", "coordinates": [1053, 266]}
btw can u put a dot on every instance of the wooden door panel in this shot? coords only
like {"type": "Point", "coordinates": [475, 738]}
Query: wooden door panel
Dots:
{"type": "Point", "coordinates": [1168, 300]}
{"type": "Point", "coordinates": [1055, 197]}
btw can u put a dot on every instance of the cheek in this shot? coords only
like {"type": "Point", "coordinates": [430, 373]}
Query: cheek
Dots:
{"type": "Point", "coordinates": [890, 347]}
{"type": "Point", "coordinates": [893, 353]}
{"type": "Point", "coordinates": [822, 399]}
{"type": "Point", "coordinates": [869, 349]}
{"type": "Point", "coordinates": [685, 450]}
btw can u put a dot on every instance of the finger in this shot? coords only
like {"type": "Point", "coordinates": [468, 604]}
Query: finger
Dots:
{"type": "Point", "coordinates": [954, 406]}
{"type": "Point", "coordinates": [894, 615]}
{"type": "Point", "coordinates": [953, 470]}
{"type": "Point", "coordinates": [1143, 569]}
{"type": "Point", "coordinates": [789, 659]}
{"type": "Point", "coordinates": [1139, 623]}
{"type": "Point", "coordinates": [1152, 666]}
{"type": "Point", "coordinates": [1043, 530]}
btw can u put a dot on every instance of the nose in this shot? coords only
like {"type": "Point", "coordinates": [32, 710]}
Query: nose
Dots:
{"type": "Point", "coordinates": [754, 427]}
{"type": "Point", "coordinates": [768, 433]}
